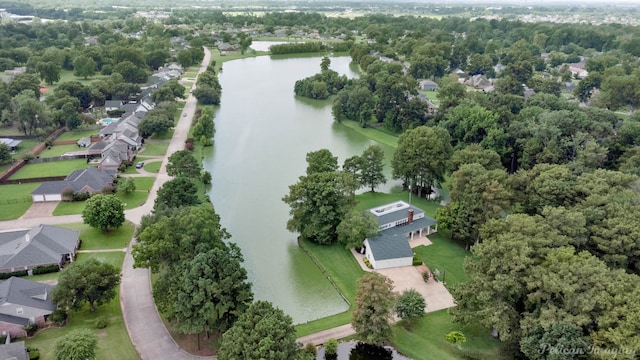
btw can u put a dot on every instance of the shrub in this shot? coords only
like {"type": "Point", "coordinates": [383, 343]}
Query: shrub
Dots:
{"type": "Point", "coordinates": [101, 323]}
{"type": "Point", "coordinates": [311, 350]}
{"type": "Point", "coordinates": [206, 177]}
{"type": "Point", "coordinates": [34, 354]}
{"type": "Point", "coordinates": [68, 195]}
{"type": "Point", "coordinates": [15, 273]}
{"type": "Point", "coordinates": [188, 146]}
{"type": "Point", "coordinates": [58, 317]}
{"type": "Point", "coordinates": [367, 262]}
{"type": "Point", "coordinates": [426, 276]}
{"type": "Point", "coordinates": [108, 189]}
{"type": "Point", "coordinates": [30, 329]}
{"type": "Point", "coordinates": [27, 157]}
{"type": "Point", "coordinates": [331, 347]}
{"type": "Point", "coordinates": [46, 269]}
{"type": "Point", "coordinates": [205, 141]}
{"type": "Point", "coordinates": [81, 196]}
{"type": "Point", "coordinates": [417, 261]}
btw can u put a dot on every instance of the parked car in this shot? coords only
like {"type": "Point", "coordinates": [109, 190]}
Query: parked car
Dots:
{"type": "Point", "coordinates": [139, 164]}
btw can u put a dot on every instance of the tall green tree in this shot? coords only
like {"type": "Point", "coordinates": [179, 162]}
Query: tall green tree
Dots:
{"type": "Point", "coordinates": [262, 332]}
{"type": "Point", "coordinates": [89, 281]}
{"type": "Point", "coordinates": [372, 315]}
{"type": "Point", "coordinates": [321, 161]}
{"type": "Point", "coordinates": [421, 157]}
{"type": "Point", "coordinates": [176, 193]}
{"type": "Point", "coordinates": [356, 227]}
{"type": "Point", "coordinates": [183, 163]}
{"type": "Point", "coordinates": [213, 291]}
{"type": "Point", "coordinates": [318, 202]}
{"type": "Point", "coordinates": [103, 212]}
{"type": "Point", "coordinates": [49, 72]}
{"type": "Point", "coordinates": [410, 306]}
{"type": "Point", "coordinates": [79, 344]}
{"type": "Point", "coordinates": [84, 66]}
{"type": "Point", "coordinates": [372, 166]}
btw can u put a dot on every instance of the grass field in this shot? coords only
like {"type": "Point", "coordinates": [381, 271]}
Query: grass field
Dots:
{"type": "Point", "coordinates": [426, 339]}
{"type": "Point", "coordinates": [445, 255]}
{"type": "Point", "coordinates": [155, 148]}
{"type": "Point", "coordinates": [144, 183]}
{"type": "Point", "coordinates": [131, 201]}
{"type": "Point", "coordinates": [373, 134]}
{"type": "Point", "coordinates": [153, 167]}
{"type": "Point", "coordinates": [67, 75]}
{"type": "Point", "coordinates": [77, 134]}
{"type": "Point", "coordinates": [53, 168]}
{"type": "Point", "coordinates": [94, 239]}
{"type": "Point", "coordinates": [59, 150]}
{"type": "Point", "coordinates": [15, 199]}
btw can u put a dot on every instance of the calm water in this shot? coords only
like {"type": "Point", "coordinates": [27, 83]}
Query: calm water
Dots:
{"type": "Point", "coordinates": [263, 133]}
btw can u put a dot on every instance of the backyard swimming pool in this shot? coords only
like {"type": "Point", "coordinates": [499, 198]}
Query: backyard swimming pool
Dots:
{"type": "Point", "coordinates": [107, 121]}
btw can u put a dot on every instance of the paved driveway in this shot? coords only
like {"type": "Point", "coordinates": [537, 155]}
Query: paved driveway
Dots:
{"type": "Point", "coordinates": [40, 209]}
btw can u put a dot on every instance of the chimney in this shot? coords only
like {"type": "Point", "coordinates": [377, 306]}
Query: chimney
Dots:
{"type": "Point", "coordinates": [410, 216]}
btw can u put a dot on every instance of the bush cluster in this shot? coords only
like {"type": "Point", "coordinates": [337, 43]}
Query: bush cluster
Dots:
{"type": "Point", "coordinates": [367, 262]}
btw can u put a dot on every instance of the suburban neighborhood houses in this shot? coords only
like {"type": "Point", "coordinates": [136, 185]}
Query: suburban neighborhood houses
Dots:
{"type": "Point", "coordinates": [23, 302]}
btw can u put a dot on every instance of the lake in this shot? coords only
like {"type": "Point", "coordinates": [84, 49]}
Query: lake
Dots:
{"type": "Point", "coordinates": [263, 133]}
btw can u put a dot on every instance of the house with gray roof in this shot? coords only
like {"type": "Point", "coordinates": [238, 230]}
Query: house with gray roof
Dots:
{"type": "Point", "coordinates": [43, 245]}
{"type": "Point", "coordinates": [91, 180]}
{"type": "Point", "coordinates": [14, 351]}
{"type": "Point", "coordinates": [398, 222]}
{"type": "Point", "coordinates": [11, 143]}
{"type": "Point", "coordinates": [23, 302]}
{"type": "Point", "coordinates": [427, 85]}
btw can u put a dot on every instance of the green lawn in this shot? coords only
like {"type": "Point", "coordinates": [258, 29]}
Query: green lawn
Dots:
{"type": "Point", "coordinates": [59, 150]}
{"type": "Point", "coordinates": [130, 170]}
{"type": "Point", "coordinates": [113, 341]}
{"type": "Point", "coordinates": [15, 199]}
{"type": "Point", "coordinates": [75, 207]}
{"type": "Point", "coordinates": [53, 168]}
{"type": "Point", "coordinates": [153, 167]}
{"type": "Point", "coordinates": [373, 134]}
{"type": "Point", "coordinates": [155, 148]}
{"type": "Point", "coordinates": [25, 146]}
{"type": "Point", "coordinates": [94, 239]}
{"type": "Point", "coordinates": [77, 134]}
{"type": "Point", "coordinates": [425, 340]}
{"type": "Point", "coordinates": [67, 75]}
{"type": "Point", "coordinates": [445, 255]}
{"type": "Point", "coordinates": [144, 183]}
{"type": "Point", "coordinates": [344, 270]}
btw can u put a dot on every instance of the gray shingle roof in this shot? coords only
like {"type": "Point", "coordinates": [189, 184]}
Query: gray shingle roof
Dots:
{"type": "Point", "coordinates": [42, 245]}
{"type": "Point", "coordinates": [387, 247]}
{"type": "Point", "coordinates": [50, 187]}
{"type": "Point", "coordinates": [15, 350]}
{"type": "Point", "coordinates": [24, 292]}
{"type": "Point", "coordinates": [90, 177]}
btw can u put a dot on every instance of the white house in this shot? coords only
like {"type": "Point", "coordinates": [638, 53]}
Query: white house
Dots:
{"type": "Point", "coordinates": [398, 222]}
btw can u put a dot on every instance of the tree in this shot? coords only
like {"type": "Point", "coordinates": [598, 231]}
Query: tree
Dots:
{"type": "Point", "coordinates": [156, 122]}
{"type": "Point", "coordinates": [374, 308]}
{"type": "Point", "coordinates": [212, 291]}
{"type": "Point", "coordinates": [356, 227]}
{"type": "Point", "coordinates": [550, 344]}
{"type": "Point", "coordinates": [183, 163]}
{"type": "Point", "coordinates": [321, 161]}
{"type": "Point", "coordinates": [126, 186]}
{"type": "Point", "coordinates": [318, 203]}
{"type": "Point", "coordinates": [371, 162]}
{"type": "Point", "coordinates": [262, 332]}
{"type": "Point", "coordinates": [89, 281]}
{"type": "Point", "coordinates": [84, 66]}
{"type": "Point", "coordinates": [325, 63]}
{"type": "Point", "coordinates": [103, 212]}
{"type": "Point", "coordinates": [49, 72]}
{"type": "Point", "coordinates": [410, 306]}
{"type": "Point", "coordinates": [79, 344]}
{"type": "Point", "coordinates": [475, 153]}
{"type": "Point", "coordinates": [5, 153]}
{"type": "Point", "coordinates": [171, 237]}
{"type": "Point", "coordinates": [421, 157]}
{"type": "Point", "coordinates": [175, 193]}
{"type": "Point", "coordinates": [207, 95]}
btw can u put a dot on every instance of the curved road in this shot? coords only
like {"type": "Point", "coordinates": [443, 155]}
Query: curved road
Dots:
{"type": "Point", "coordinates": [146, 330]}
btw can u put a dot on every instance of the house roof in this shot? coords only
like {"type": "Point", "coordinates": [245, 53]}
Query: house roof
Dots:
{"type": "Point", "coordinates": [50, 187]}
{"type": "Point", "coordinates": [113, 103]}
{"type": "Point", "coordinates": [24, 292]}
{"type": "Point", "coordinates": [90, 177]}
{"type": "Point", "coordinates": [42, 245]}
{"type": "Point", "coordinates": [109, 129]}
{"type": "Point", "coordinates": [14, 351]}
{"type": "Point", "coordinates": [394, 212]}
{"type": "Point", "coordinates": [390, 247]}
{"type": "Point", "coordinates": [10, 142]}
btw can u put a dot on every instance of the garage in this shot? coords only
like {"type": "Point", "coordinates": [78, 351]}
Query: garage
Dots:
{"type": "Point", "coordinates": [49, 191]}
